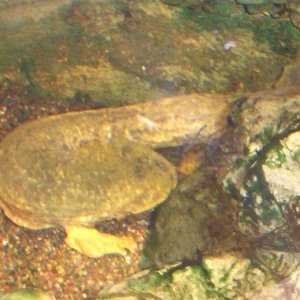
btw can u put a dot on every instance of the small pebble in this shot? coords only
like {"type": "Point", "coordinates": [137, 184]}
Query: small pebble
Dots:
{"type": "Point", "coordinates": [230, 44]}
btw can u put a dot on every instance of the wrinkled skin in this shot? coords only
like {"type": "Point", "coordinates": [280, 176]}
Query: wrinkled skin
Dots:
{"type": "Point", "coordinates": [76, 169]}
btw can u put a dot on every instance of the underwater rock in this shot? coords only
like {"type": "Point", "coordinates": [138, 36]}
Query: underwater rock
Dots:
{"type": "Point", "coordinates": [197, 218]}
{"type": "Point", "coordinates": [276, 8]}
{"type": "Point", "coordinates": [224, 277]}
{"type": "Point", "coordinates": [281, 168]}
{"type": "Point", "coordinates": [294, 9]}
{"type": "Point", "coordinates": [270, 195]}
{"type": "Point", "coordinates": [260, 208]}
{"type": "Point", "coordinates": [94, 48]}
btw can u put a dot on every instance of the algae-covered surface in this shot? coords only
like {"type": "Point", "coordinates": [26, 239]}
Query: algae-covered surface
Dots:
{"type": "Point", "coordinates": [61, 56]}
{"type": "Point", "coordinates": [116, 52]}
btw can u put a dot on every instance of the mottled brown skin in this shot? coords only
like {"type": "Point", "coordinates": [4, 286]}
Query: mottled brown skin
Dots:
{"type": "Point", "coordinates": [78, 168]}
{"type": "Point", "coordinates": [93, 182]}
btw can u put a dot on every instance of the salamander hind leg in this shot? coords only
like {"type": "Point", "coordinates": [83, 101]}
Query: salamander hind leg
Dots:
{"type": "Point", "coordinates": [94, 243]}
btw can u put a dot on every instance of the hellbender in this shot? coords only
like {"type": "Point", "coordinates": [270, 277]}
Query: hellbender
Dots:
{"type": "Point", "coordinates": [76, 169]}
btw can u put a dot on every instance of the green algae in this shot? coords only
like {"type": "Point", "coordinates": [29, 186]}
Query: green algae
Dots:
{"type": "Point", "coordinates": [25, 294]}
{"type": "Point", "coordinates": [160, 56]}
{"type": "Point", "coordinates": [152, 281]}
{"type": "Point", "coordinates": [216, 278]}
{"type": "Point", "coordinates": [281, 36]}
